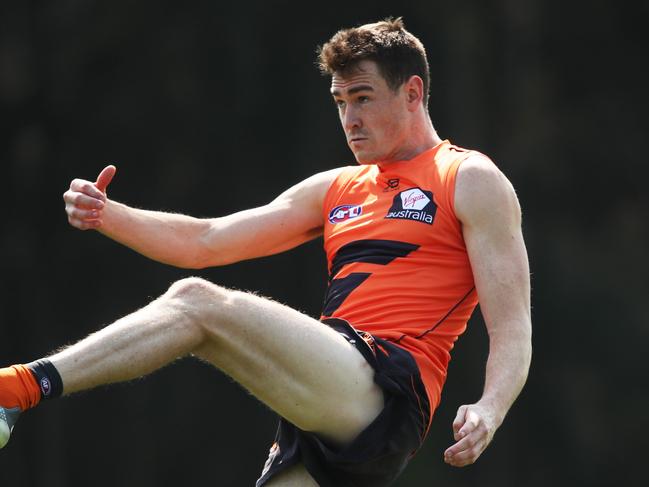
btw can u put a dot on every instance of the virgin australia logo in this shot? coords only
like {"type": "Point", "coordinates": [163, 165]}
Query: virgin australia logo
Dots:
{"type": "Point", "coordinates": [413, 204]}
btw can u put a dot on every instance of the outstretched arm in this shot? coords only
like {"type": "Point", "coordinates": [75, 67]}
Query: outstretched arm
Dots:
{"type": "Point", "coordinates": [486, 204]}
{"type": "Point", "coordinates": [291, 219]}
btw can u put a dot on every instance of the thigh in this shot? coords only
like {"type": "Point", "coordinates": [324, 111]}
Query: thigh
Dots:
{"type": "Point", "coordinates": [298, 366]}
{"type": "Point", "coordinates": [295, 476]}
{"type": "Point", "coordinates": [381, 451]}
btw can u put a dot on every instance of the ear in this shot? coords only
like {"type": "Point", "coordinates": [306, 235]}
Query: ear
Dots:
{"type": "Point", "coordinates": [414, 90]}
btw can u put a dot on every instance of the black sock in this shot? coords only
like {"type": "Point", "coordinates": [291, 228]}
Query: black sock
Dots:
{"type": "Point", "coordinates": [47, 377]}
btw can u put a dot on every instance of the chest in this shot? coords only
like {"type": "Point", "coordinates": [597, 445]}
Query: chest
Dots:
{"type": "Point", "coordinates": [388, 207]}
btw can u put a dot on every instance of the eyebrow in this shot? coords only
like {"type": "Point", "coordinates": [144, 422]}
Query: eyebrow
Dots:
{"type": "Point", "coordinates": [353, 90]}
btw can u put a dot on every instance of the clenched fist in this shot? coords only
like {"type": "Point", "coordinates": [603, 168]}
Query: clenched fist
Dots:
{"type": "Point", "coordinates": [473, 430]}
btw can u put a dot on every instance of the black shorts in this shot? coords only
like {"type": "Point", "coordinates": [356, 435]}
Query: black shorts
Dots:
{"type": "Point", "coordinates": [381, 452]}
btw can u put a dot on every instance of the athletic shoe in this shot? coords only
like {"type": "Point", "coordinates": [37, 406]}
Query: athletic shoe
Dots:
{"type": "Point", "coordinates": [8, 418]}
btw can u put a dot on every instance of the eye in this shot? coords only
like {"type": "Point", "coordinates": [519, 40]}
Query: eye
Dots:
{"type": "Point", "coordinates": [339, 104]}
{"type": "Point", "coordinates": [363, 99]}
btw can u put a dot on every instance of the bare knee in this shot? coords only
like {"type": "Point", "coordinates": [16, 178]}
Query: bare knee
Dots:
{"type": "Point", "coordinates": [197, 299]}
{"type": "Point", "coordinates": [195, 294]}
{"type": "Point", "coordinates": [192, 288]}
{"type": "Point", "coordinates": [211, 307]}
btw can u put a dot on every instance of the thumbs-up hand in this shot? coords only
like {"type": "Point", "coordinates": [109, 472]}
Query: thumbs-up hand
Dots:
{"type": "Point", "coordinates": [85, 201]}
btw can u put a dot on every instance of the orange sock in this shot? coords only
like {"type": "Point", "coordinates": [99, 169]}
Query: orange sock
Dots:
{"type": "Point", "coordinates": [18, 387]}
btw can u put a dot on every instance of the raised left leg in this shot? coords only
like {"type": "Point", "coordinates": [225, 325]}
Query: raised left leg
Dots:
{"type": "Point", "coordinates": [299, 367]}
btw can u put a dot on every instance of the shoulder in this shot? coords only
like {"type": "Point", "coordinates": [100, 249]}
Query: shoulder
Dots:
{"type": "Point", "coordinates": [483, 193]}
{"type": "Point", "coordinates": [326, 178]}
{"type": "Point", "coordinates": [312, 189]}
{"type": "Point", "coordinates": [319, 183]}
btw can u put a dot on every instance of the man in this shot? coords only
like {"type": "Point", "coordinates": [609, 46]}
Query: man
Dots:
{"type": "Point", "coordinates": [414, 235]}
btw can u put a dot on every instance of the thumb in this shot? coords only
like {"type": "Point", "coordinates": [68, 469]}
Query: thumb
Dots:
{"type": "Point", "coordinates": [105, 177]}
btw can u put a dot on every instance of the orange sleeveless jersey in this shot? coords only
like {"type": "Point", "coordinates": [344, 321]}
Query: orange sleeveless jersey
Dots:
{"type": "Point", "coordinates": [398, 266]}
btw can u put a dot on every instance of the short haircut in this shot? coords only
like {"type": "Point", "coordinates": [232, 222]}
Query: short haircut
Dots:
{"type": "Point", "coordinates": [397, 53]}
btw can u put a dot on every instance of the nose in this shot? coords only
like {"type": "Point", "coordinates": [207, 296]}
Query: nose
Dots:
{"type": "Point", "coordinates": [350, 119]}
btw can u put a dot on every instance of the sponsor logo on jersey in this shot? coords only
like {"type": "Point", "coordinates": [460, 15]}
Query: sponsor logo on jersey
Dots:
{"type": "Point", "coordinates": [413, 204]}
{"type": "Point", "coordinates": [344, 212]}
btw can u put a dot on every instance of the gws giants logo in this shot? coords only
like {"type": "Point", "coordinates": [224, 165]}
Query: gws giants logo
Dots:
{"type": "Point", "coordinates": [413, 204]}
{"type": "Point", "coordinates": [344, 212]}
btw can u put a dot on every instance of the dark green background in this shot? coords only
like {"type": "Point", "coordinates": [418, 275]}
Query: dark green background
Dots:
{"type": "Point", "coordinates": [208, 108]}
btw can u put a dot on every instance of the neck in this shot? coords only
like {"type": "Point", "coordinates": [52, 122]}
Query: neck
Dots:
{"type": "Point", "coordinates": [423, 137]}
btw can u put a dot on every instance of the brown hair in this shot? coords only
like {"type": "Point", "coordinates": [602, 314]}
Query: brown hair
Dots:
{"type": "Point", "coordinates": [397, 53]}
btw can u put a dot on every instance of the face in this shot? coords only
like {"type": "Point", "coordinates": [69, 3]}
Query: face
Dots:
{"type": "Point", "coordinates": [373, 116]}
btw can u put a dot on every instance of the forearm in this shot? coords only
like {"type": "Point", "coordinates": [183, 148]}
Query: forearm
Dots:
{"type": "Point", "coordinates": [291, 219]}
{"type": "Point", "coordinates": [507, 367]}
{"type": "Point", "coordinates": [195, 243]}
{"type": "Point", "coordinates": [165, 237]}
